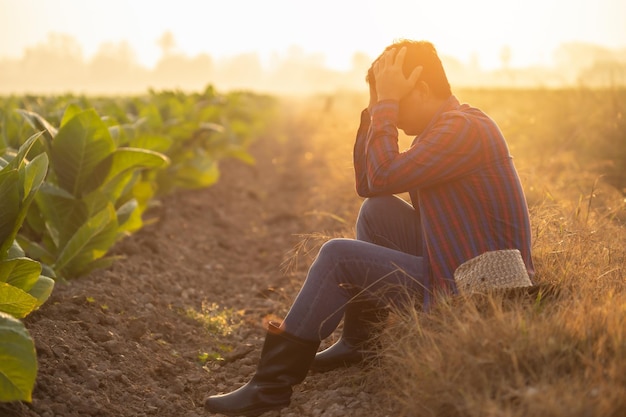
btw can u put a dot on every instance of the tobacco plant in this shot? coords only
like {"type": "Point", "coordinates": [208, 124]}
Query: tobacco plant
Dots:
{"type": "Point", "coordinates": [87, 202]}
{"type": "Point", "coordinates": [23, 288]}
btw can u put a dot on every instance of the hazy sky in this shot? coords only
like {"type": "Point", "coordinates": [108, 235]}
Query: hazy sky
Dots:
{"type": "Point", "coordinates": [336, 28]}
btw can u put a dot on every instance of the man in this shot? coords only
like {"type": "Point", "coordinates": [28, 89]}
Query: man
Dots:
{"type": "Point", "coordinates": [466, 200]}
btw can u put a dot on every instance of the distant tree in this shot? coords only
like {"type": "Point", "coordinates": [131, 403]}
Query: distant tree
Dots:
{"type": "Point", "coordinates": [114, 68]}
{"type": "Point", "coordinates": [573, 57]}
{"type": "Point", "coordinates": [241, 71]}
{"type": "Point", "coordinates": [53, 63]}
{"type": "Point", "coordinates": [181, 72]}
{"type": "Point", "coordinates": [167, 43]}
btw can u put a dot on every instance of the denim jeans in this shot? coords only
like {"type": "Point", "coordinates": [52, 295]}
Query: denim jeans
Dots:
{"type": "Point", "coordinates": [382, 265]}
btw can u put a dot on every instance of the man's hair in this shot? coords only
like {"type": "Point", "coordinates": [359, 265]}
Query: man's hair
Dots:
{"type": "Point", "coordinates": [419, 53]}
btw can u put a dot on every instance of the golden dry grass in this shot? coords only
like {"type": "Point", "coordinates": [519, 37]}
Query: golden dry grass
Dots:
{"type": "Point", "coordinates": [550, 354]}
{"type": "Point", "coordinates": [560, 354]}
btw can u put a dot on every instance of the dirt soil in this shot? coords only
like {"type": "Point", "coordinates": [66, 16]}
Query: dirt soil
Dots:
{"type": "Point", "coordinates": [181, 315]}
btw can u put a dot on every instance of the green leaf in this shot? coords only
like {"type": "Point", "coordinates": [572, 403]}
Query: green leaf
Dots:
{"type": "Point", "coordinates": [20, 272]}
{"type": "Point", "coordinates": [37, 122]}
{"type": "Point", "coordinates": [91, 241]}
{"type": "Point", "coordinates": [15, 301]}
{"type": "Point", "coordinates": [16, 251]}
{"type": "Point", "coordinates": [34, 174]}
{"type": "Point", "coordinates": [42, 289]}
{"type": "Point", "coordinates": [10, 203]}
{"type": "Point", "coordinates": [122, 185]}
{"type": "Point", "coordinates": [18, 161]}
{"type": "Point", "coordinates": [98, 200]}
{"type": "Point", "coordinates": [241, 154]}
{"type": "Point", "coordinates": [152, 117]}
{"type": "Point", "coordinates": [71, 111]}
{"type": "Point", "coordinates": [18, 361]}
{"type": "Point", "coordinates": [17, 193]}
{"type": "Point", "coordinates": [64, 214]}
{"type": "Point", "coordinates": [36, 251]}
{"type": "Point", "coordinates": [198, 173]}
{"type": "Point", "coordinates": [129, 216]}
{"type": "Point", "coordinates": [77, 149]}
{"type": "Point", "coordinates": [152, 142]}
{"type": "Point", "coordinates": [123, 160]}
{"type": "Point", "coordinates": [87, 267]}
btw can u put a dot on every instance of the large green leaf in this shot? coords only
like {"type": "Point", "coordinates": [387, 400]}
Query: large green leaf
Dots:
{"type": "Point", "coordinates": [123, 160]}
{"type": "Point", "coordinates": [91, 241]}
{"type": "Point", "coordinates": [18, 361]}
{"type": "Point", "coordinates": [79, 146]}
{"type": "Point", "coordinates": [20, 272]}
{"type": "Point", "coordinates": [15, 301]}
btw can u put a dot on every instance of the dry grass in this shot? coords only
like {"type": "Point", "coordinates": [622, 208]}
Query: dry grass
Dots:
{"type": "Point", "coordinates": [550, 354]}
{"type": "Point", "coordinates": [561, 354]}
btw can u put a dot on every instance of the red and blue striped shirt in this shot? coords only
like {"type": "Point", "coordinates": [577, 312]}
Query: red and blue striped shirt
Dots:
{"type": "Point", "coordinates": [460, 177]}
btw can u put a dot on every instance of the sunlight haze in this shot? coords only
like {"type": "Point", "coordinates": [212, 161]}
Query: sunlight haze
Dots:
{"type": "Point", "coordinates": [486, 34]}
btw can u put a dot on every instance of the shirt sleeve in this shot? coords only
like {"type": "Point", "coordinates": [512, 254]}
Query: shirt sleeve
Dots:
{"type": "Point", "coordinates": [449, 149]}
{"type": "Point", "coordinates": [360, 164]}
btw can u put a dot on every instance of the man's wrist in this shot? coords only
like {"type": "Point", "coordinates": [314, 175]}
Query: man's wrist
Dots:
{"type": "Point", "coordinates": [385, 109]}
{"type": "Point", "coordinates": [384, 98]}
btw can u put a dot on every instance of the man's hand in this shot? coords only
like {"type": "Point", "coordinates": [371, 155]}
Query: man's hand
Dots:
{"type": "Point", "coordinates": [390, 81]}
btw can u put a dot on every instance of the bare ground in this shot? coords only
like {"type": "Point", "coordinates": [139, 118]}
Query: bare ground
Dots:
{"type": "Point", "coordinates": [133, 340]}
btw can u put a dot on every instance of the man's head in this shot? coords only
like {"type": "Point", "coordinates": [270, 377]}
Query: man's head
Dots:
{"type": "Point", "coordinates": [432, 86]}
{"type": "Point", "coordinates": [420, 53]}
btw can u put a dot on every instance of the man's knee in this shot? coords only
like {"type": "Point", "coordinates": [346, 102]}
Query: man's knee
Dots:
{"type": "Point", "coordinates": [374, 206]}
{"type": "Point", "coordinates": [334, 248]}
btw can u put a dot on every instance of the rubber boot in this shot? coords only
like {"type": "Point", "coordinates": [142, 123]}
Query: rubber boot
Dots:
{"type": "Point", "coordinates": [361, 323]}
{"type": "Point", "coordinates": [285, 361]}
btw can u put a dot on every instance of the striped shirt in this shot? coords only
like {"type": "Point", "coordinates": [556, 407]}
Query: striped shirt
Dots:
{"type": "Point", "coordinates": [460, 177]}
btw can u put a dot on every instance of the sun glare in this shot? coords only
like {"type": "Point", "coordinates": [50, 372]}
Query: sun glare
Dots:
{"type": "Point", "coordinates": [241, 35]}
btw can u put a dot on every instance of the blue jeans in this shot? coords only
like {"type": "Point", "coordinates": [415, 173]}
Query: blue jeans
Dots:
{"type": "Point", "coordinates": [382, 265]}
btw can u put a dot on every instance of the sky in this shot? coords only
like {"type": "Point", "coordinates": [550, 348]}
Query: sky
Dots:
{"type": "Point", "coordinates": [532, 29]}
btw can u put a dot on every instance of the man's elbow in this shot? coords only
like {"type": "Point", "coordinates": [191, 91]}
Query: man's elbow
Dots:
{"type": "Point", "coordinates": [376, 187]}
{"type": "Point", "coordinates": [363, 191]}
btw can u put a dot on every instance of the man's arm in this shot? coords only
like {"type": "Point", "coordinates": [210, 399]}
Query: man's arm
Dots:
{"type": "Point", "coordinates": [359, 156]}
{"type": "Point", "coordinates": [449, 149]}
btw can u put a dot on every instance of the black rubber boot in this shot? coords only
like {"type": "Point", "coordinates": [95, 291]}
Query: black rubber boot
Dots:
{"type": "Point", "coordinates": [361, 323]}
{"type": "Point", "coordinates": [285, 361]}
